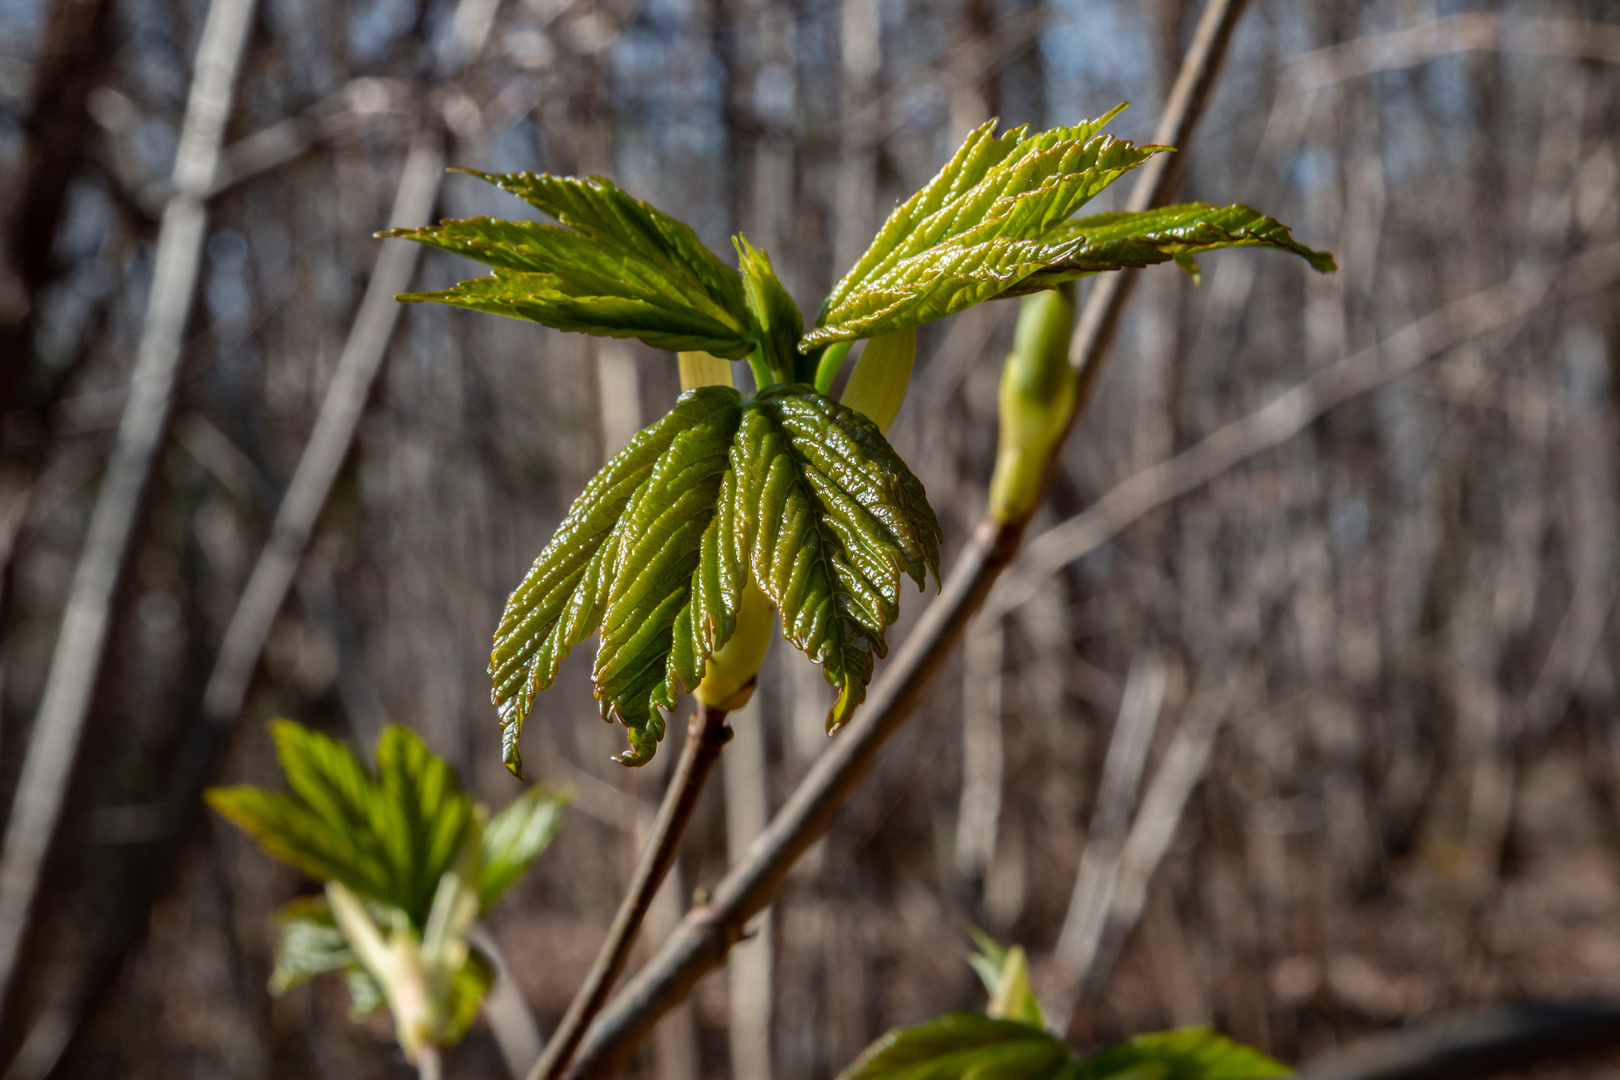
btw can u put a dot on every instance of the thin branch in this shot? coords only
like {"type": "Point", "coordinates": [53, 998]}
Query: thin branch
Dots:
{"type": "Point", "coordinates": [1094, 882]}
{"type": "Point", "coordinates": [329, 441]}
{"type": "Point", "coordinates": [1288, 415]}
{"type": "Point", "coordinates": [1453, 34]}
{"type": "Point", "coordinates": [1184, 765]}
{"type": "Point", "coordinates": [708, 932]}
{"type": "Point", "coordinates": [706, 735]}
{"type": "Point", "coordinates": [81, 644]}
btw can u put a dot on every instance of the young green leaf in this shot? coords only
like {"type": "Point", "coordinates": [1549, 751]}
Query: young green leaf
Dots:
{"type": "Point", "coordinates": [467, 989]}
{"type": "Point", "coordinates": [614, 267]}
{"type": "Point", "coordinates": [1198, 1053]}
{"type": "Point", "coordinates": [389, 839]}
{"type": "Point", "coordinates": [791, 490]}
{"type": "Point", "coordinates": [775, 313]}
{"type": "Point", "coordinates": [1103, 242]}
{"type": "Point", "coordinates": [988, 961]}
{"type": "Point", "coordinates": [977, 229]}
{"type": "Point", "coordinates": [308, 943]}
{"type": "Point", "coordinates": [516, 836]}
{"type": "Point", "coordinates": [969, 1046]}
{"type": "Point", "coordinates": [1013, 997]}
{"type": "Point", "coordinates": [964, 1046]}
{"type": "Point", "coordinates": [365, 996]}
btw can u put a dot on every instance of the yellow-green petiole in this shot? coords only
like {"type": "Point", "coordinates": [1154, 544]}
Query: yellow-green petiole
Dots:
{"type": "Point", "coordinates": [877, 386]}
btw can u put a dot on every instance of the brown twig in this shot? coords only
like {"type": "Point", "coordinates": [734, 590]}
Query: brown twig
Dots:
{"type": "Point", "coordinates": [706, 734]}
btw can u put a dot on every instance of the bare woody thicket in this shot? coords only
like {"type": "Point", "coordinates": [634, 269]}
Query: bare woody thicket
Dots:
{"type": "Point", "coordinates": [735, 511]}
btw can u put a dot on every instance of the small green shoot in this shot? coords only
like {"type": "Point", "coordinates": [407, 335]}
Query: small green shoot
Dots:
{"type": "Point", "coordinates": [409, 862]}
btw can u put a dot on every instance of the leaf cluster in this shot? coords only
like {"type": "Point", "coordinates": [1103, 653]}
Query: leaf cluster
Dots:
{"type": "Point", "coordinates": [390, 836]}
{"type": "Point", "coordinates": [655, 551]}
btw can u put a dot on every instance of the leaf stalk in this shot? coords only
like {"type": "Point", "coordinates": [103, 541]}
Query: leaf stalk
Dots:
{"type": "Point", "coordinates": [832, 358]}
{"type": "Point", "coordinates": [706, 735]}
{"type": "Point", "coordinates": [877, 386]}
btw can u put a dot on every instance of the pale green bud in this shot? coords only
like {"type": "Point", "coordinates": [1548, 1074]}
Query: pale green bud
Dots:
{"type": "Point", "coordinates": [1037, 397]}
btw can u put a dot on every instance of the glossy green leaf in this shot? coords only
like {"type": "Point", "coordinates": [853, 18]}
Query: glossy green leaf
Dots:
{"type": "Point", "coordinates": [830, 518]}
{"type": "Point", "coordinates": [789, 489]}
{"type": "Point", "coordinates": [976, 229]}
{"type": "Point", "coordinates": [1188, 1054]}
{"type": "Point", "coordinates": [516, 836]}
{"type": "Point", "coordinates": [614, 267]}
{"type": "Point", "coordinates": [1103, 242]}
{"type": "Point", "coordinates": [963, 1046]}
{"type": "Point", "coordinates": [388, 838]}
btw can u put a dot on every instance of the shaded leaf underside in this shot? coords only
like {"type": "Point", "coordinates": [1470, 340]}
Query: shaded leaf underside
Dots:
{"type": "Point", "coordinates": [789, 489]}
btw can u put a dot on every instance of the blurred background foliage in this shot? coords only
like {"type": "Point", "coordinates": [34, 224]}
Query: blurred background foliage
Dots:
{"type": "Point", "coordinates": [1323, 740]}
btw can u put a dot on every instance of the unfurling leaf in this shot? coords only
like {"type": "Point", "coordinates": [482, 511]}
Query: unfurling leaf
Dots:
{"type": "Point", "coordinates": [614, 267]}
{"type": "Point", "coordinates": [977, 229]}
{"type": "Point", "coordinates": [1102, 242]}
{"type": "Point", "coordinates": [790, 490]}
{"type": "Point", "coordinates": [996, 222]}
{"type": "Point", "coordinates": [775, 314]}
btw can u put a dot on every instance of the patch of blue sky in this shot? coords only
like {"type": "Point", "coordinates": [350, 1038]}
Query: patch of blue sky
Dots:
{"type": "Point", "coordinates": [20, 23]}
{"type": "Point", "coordinates": [374, 26]}
{"type": "Point", "coordinates": [1096, 54]}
